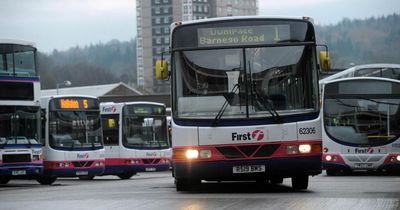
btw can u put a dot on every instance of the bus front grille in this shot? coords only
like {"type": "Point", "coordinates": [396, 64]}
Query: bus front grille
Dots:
{"type": "Point", "coordinates": [16, 158]}
{"type": "Point", "coordinates": [81, 164]}
{"type": "Point", "coordinates": [248, 151]}
{"type": "Point", "coordinates": [151, 160]}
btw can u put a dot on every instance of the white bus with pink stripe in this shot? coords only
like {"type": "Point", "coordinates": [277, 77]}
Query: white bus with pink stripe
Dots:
{"type": "Point", "coordinates": [73, 142]}
{"type": "Point", "coordinates": [245, 103]}
{"type": "Point", "coordinates": [135, 138]}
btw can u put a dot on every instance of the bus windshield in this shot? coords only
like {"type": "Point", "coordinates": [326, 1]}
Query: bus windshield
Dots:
{"type": "Point", "coordinates": [144, 126]}
{"type": "Point", "coordinates": [19, 125]}
{"type": "Point", "coordinates": [145, 132]}
{"type": "Point", "coordinates": [242, 71]}
{"type": "Point", "coordinates": [75, 130]}
{"type": "Point", "coordinates": [367, 117]}
{"type": "Point", "coordinates": [17, 60]}
{"type": "Point", "coordinates": [252, 80]}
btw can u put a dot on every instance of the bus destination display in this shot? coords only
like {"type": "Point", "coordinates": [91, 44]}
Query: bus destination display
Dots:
{"type": "Point", "coordinates": [74, 103]}
{"type": "Point", "coordinates": [244, 35]}
{"type": "Point", "coordinates": [149, 110]}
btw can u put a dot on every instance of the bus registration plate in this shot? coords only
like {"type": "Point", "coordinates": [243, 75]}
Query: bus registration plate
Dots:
{"type": "Point", "coordinates": [248, 169]}
{"type": "Point", "coordinates": [150, 169]}
{"type": "Point", "coordinates": [82, 173]}
{"type": "Point", "coordinates": [18, 172]}
{"type": "Point", "coordinates": [363, 165]}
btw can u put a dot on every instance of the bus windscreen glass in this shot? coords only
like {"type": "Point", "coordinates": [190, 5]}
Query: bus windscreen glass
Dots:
{"type": "Point", "coordinates": [362, 113]}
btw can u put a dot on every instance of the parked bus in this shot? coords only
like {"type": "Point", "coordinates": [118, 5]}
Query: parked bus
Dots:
{"type": "Point", "coordinates": [245, 102]}
{"type": "Point", "coordinates": [361, 125]}
{"type": "Point", "coordinates": [135, 138]}
{"type": "Point", "coordinates": [73, 142]}
{"type": "Point", "coordinates": [20, 148]}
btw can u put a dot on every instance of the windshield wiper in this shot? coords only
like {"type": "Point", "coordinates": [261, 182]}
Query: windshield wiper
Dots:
{"type": "Point", "coordinates": [268, 106]}
{"type": "Point", "coordinates": [228, 100]}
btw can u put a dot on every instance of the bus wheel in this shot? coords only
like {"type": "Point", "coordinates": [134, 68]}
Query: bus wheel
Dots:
{"type": "Point", "coordinates": [300, 182]}
{"type": "Point", "coordinates": [46, 180]}
{"type": "Point", "coordinates": [4, 180]}
{"type": "Point", "coordinates": [86, 177]}
{"type": "Point", "coordinates": [331, 172]}
{"type": "Point", "coordinates": [126, 175]}
{"type": "Point", "coordinates": [276, 180]}
{"type": "Point", "coordinates": [186, 184]}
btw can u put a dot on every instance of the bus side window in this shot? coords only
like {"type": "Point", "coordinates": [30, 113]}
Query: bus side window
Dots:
{"type": "Point", "coordinates": [110, 131]}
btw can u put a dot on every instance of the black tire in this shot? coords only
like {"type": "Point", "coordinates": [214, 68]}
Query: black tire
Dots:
{"type": "Point", "coordinates": [86, 177]}
{"type": "Point", "coordinates": [46, 180]}
{"type": "Point", "coordinates": [276, 180]}
{"type": "Point", "coordinates": [186, 184]}
{"type": "Point", "coordinates": [4, 180]}
{"type": "Point", "coordinates": [331, 172]}
{"type": "Point", "coordinates": [126, 175]}
{"type": "Point", "coordinates": [300, 182]}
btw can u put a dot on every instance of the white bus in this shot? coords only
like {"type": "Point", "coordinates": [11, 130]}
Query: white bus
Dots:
{"type": "Point", "coordinates": [245, 102]}
{"type": "Point", "coordinates": [20, 148]}
{"type": "Point", "coordinates": [361, 124]}
{"type": "Point", "coordinates": [73, 142]}
{"type": "Point", "coordinates": [135, 138]}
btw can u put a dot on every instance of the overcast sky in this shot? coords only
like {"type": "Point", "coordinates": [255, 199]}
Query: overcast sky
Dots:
{"type": "Point", "coordinates": [61, 24]}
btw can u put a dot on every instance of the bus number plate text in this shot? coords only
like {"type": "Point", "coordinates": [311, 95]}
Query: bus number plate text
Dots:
{"type": "Point", "coordinates": [18, 172]}
{"type": "Point", "coordinates": [363, 165]}
{"type": "Point", "coordinates": [82, 173]}
{"type": "Point", "coordinates": [248, 169]}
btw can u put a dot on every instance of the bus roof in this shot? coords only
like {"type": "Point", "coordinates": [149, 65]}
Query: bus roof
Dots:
{"type": "Point", "coordinates": [132, 102]}
{"type": "Point", "coordinates": [355, 68]}
{"type": "Point", "coordinates": [174, 24]}
{"type": "Point", "coordinates": [48, 97]}
{"type": "Point", "coordinates": [18, 42]}
{"type": "Point", "coordinates": [360, 78]}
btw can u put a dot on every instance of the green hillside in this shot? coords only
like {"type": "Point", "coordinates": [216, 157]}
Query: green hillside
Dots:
{"type": "Point", "coordinates": [373, 40]}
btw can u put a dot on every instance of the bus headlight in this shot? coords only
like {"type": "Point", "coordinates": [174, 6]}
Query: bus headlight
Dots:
{"type": "Point", "coordinates": [304, 148]}
{"type": "Point", "coordinates": [398, 158]}
{"type": "Point", "coordinates": [328, 158]}
{"type": "Point", "coordinates": [192, 154]}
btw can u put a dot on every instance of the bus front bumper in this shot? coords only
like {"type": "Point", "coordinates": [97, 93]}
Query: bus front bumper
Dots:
{"type": "Point", "coordinates": [121, 169]}
{"type": "Point", "coordinates": [22, 170]}
{"type": "Point", "coordinates": [223, 170]}
{"type": "Point", "coordinates": [95, 171]}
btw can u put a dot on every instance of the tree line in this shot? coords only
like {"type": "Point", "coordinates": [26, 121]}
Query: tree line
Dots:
{"type": "Point", "coordinates": [97, 64]}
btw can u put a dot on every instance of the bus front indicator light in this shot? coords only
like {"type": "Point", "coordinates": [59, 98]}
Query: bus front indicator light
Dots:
{"type": "Point", "coordinates": [205, 154]}
{"type": "Point", "coordinates": [192, 154]}
{"type": "Point", "coordinates": [291, 149]}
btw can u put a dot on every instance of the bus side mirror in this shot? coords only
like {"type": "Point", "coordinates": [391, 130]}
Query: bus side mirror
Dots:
{"type": "Point", "coordinates": [162, 70]}
{"type": "Point", "coordinates": [324, 61]}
